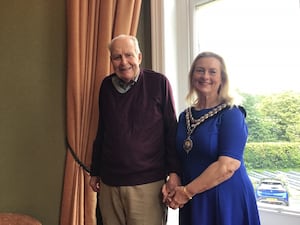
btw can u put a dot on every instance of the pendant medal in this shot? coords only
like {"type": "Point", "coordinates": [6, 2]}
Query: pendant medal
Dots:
{"type": "Point", "coordinates": [188, 144]}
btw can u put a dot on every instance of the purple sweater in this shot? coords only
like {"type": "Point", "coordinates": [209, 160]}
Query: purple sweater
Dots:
{"type": "Point", "coordinates": [135, 142]}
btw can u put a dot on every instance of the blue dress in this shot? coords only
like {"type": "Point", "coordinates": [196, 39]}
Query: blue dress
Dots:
{"type": "Point", "coordinates": [233, 201]}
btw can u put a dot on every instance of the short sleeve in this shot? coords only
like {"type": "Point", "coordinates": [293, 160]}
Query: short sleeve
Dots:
{"type": "Point", "coordinates": [233, 133]}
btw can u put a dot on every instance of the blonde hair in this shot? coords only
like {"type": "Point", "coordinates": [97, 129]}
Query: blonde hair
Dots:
{"type": "Point", "coordinates": [223, 92]}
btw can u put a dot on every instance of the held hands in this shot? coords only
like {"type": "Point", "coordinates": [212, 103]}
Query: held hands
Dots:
{"type": "Point", "coordinates": [180, 198]}
{"type": "Point", "coordinates": [174, 195]}
{"type": "Point", "coordinates": [168, 189]}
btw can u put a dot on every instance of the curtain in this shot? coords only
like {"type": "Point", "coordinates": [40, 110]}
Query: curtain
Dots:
{"type": "Point", "coordinates": [91, 24]}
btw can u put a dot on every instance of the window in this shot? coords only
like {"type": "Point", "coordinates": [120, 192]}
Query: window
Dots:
{"type": "Point", "coordinates": [259, 41]}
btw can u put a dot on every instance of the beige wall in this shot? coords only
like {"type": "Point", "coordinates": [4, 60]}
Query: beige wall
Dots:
{"type": "Point", "coordinates": [32, 108]}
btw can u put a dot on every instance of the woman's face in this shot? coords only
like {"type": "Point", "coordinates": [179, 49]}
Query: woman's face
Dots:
{"type": "Point", "coordinates": [206, 78]}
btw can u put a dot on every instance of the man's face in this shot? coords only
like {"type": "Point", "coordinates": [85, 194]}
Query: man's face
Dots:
{"type": "Point", "coordinates": [125, 60]}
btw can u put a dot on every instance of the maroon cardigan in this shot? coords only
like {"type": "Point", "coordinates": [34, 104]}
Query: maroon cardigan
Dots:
{"type": "Point", "coordinates": [135, 142]}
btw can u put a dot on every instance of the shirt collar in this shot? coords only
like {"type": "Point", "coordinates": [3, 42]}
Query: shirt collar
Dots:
{"type": "Point", "coordinates": [122, 86]}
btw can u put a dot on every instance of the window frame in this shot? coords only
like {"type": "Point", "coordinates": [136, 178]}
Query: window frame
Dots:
{"type": "Point", "coordinates": [170, 33]}
{"type": "Point", "coordinates": [171, 26]}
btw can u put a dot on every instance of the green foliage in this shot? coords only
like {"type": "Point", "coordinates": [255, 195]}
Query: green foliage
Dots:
{"type": "Point", "coordinates": [272, 155]}
{"type": "Point", "coordinates": [274, 131]}
{"type": "Point", "coordinates": [273, 118]}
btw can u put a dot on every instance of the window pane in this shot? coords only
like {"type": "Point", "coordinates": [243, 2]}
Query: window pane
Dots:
{"type": "Point", "coordinates": [259, 41]}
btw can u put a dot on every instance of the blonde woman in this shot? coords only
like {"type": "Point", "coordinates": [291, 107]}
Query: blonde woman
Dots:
{"type": "Point", "coordinates": [211, 138]}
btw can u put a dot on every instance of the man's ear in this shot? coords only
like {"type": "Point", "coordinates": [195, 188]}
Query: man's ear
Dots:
{"type": "Point", "coordinates": [140, 57]}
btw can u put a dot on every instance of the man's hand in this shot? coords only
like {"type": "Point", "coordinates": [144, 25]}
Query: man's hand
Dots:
{"type": "Point", "coordinates": [95, 183]}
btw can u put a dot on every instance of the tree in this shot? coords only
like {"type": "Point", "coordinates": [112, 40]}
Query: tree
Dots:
{"type": "Point", "coordinates": [259, 130]}
{"type": "Point", "coordinates": [273, 118]}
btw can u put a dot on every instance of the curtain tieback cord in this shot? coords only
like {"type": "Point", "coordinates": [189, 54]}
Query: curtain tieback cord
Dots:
{"type": "Point", "coordinates": [81, 164]}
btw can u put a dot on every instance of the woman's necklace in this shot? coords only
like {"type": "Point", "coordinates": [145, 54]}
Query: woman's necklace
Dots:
{"type": "Point", "coordinates": [192, 123]}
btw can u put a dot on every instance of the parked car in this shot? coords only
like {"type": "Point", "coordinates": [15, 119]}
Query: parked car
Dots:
{"type": "Point", "coordinates": [273, 191]}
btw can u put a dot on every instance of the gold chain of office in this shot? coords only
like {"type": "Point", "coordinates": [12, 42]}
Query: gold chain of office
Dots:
{"type": "Point", "coordinates": [193, 123]}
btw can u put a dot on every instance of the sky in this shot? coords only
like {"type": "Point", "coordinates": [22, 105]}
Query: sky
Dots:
{"type": "Point", "coordinates": [258, 39]}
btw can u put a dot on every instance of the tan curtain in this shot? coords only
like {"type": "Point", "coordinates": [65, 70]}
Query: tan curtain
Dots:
{"type": "Point", "coordinates": [91, 24]}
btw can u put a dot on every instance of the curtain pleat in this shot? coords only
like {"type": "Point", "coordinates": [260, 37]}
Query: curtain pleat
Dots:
{"type": "Point", "coordinates": [91, 24]}
{"type": "Point", "coordinates": [124, 26]}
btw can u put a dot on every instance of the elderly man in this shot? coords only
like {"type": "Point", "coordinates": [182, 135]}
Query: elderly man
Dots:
{"type": "Point", "coordinates": [134, 157]}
